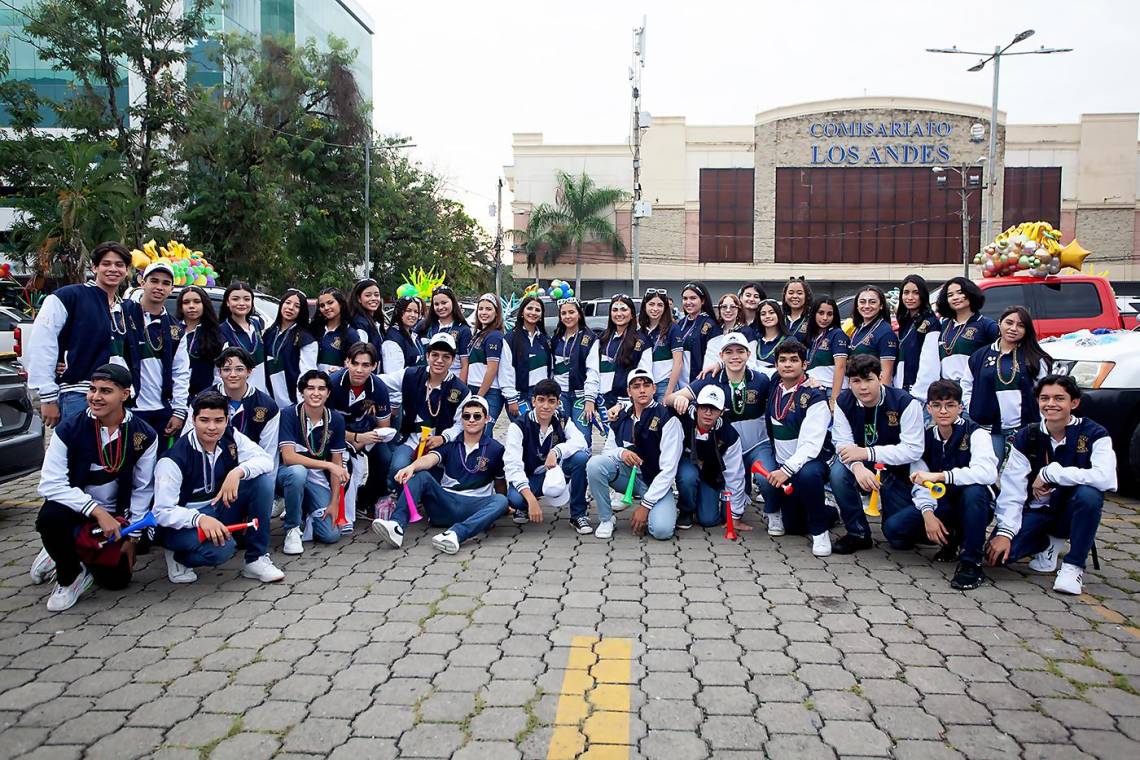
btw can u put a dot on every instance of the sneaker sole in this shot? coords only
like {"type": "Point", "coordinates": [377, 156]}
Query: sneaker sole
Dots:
{"type": "Point", "coordinates": [382, 531]}
{"type": "Point", "coordinates": [297, 553]}
{"type": "Point", "coordinates": [584, 531]}
{"type": "Point", "coordinates": [821, 554]}
{"type": "Point", "coordinates": [256, 577]}
{"type": "Point", "coordinates": [776, 533]}
{"type": "Point", "coordinates": [181, 579]}
{"type": "Point", "coordinates": [446, 548]}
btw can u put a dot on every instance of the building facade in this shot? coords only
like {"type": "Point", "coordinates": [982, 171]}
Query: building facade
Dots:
{"type": "Point", "coordinates": [844, 192]}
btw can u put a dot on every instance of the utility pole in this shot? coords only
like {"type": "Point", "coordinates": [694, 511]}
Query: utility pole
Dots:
{"type": "Point", "coordinates": [635, 211]}
{"type": "Point", "coordinates": [367, 206]}
{"type": "Point", "coordinates": [499, 242]}
{"type": "Point", "coordinates": [968, 182]}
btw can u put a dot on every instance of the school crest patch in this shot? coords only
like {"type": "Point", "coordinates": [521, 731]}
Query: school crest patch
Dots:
{"type": "Point", "coordinates": [175, 332]}
{"type": "Point", "coordinates": [654, 424]}
{"type": "Point", "coordinates": [138, 440]}
{"type": "Point", "coordinates": [970, 333]}
{"type": "Point", "coordinates": [336, 342]}
{"type": "Point", "coordinates": [453, 396]}
{"type": "Point", "coordinates": [260, 413]}
{"type": "Point", "coordinates": [482, 464]}
{"type": "Point", "coordinates": [923, 327]}
{"type": "Point", "coordinates": [965, 444]}
{"type": "Point", "coordinates": [585, 340]}
{"type": "Point", "coordinates": [893, 419]}
{"type": "Point", "coordinates": [233, 450]}
{"type": "Point", "coordinates": [751, 397]}
{"type": "Point", "coordinates": [1082, 444]}
{"type": "Point", "coordinates": [706, 327]}
{"type": "Point", "coordinates": [804, 398]}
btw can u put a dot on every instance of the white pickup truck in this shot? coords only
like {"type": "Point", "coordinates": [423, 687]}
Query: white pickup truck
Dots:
{"type": "Point", "coordinates": [1106, 366]}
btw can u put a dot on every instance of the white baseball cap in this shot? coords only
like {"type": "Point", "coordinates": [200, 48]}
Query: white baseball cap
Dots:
{"type": "Point", "coordinates": [158, 266]}
{"type": "Point", "coordinates": [443, 340]}
{"type": "Point", "coordinates": [475, 398]}
{"type": "Point", "coordinates": [554, 487]}
{"type": "Point", "coordinates": [639, 374]}
{"type": "Point", "coordinates": [712, 395]}
{"type": "Point", "coordinates": [734, 339]}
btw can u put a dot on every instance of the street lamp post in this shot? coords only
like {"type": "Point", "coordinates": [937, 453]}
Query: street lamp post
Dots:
{"type": "Point", "coordinates": [968, 183]}
{"type": "Point", "coordinates": [996, 56]}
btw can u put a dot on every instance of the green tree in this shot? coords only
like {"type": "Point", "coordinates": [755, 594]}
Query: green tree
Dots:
{"type": "Point", "coordinates": [580, 215]}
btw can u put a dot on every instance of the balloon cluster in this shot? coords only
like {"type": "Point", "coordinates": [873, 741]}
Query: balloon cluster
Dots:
{"type": "Point", "coordinates": [420, 284]}
{"type": "Point", "coordinates": [1032, 247]}
{"type": "Point", "coordinates": [558, 289]}
{"type": "Point", "coordinates": [190, 267]}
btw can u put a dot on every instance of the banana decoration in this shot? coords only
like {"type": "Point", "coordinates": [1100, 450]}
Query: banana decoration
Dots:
{"type": "Point", "coordinates": [1034, 247]}
{"type": "Point", "coordinates": [190, 267]}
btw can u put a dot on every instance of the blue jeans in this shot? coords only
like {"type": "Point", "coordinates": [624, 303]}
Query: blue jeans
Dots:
{"type": "Point", "coordinates": [303, 497]}
{"type": "Point", "coordinates": [604, 473]}
{"type": "Point", "coordinates": [805, 511]}
{"type": "Point", "coordinates": [1074, 515]}
{"type": "Point", "coordinates": [568, 410]}
{"type": "Point", "coordinates": [766, 455]}
{"type": "Point", "coordinates": [659, 394]}
{"type": "Point", "coordinates": [402, 456]}
{"type": "Point", "coordinates": [698, 498]}
{"type": "Point", "coordinates": [894, 495]}
{"type": "Point", "coordinates": [495, 405]}
{"type": "Point", "coordinates": [255, 500]}
{"type": "Point", "coordinates": [74, 403]}
{"type": "Point", "coordinates": [966, 512]}
{"type": "Point", "coordinates": [467, 516]}
{"type": "Point", "coordinates": [575, 469]}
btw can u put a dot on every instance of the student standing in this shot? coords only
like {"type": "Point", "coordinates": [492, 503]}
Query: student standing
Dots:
{"type": "Point", "coordinates": [98, 470]}
{"type": "Point", "coordinates": [290, 349]}
{"type": "Point", "coordinates": [751, 294]}
{"type": "Point", "coordinates": [526, 355]}
{"type": "Point", "coordinates": [919, 333]}
{"type": "Point", "coordinates": [664, 339]}
{"type": "Point", "coordinates": [331, 331]}
{"type": "Point", "coordinates": [365, 314]}
{"type": "Point", "coordinates": [998, 382]}
{"type": "Point", "coordinates": [240, 326]}
{"type": "Point", "coordinates": [486, 355]}
{"type": "Point", "coordinates": [773, 332]}
{"type": "Point", "coordinates": [571, 346]}
{"type": "Point", "coordinates": [827, 348]}
{"type": "Point", "coordinates": [964, 328]}
{"type": "Point", "coordinates": [195, 312]}
{"type": "Point", "coordinates": [698, 327]}
{"type": "Point", "coordinates": [402, 349]}
{"type": "Point", "coordinates": [873, 335]}
{"type": "Point", "coordinates": [81, 327]}
{"type": "Point", "coordinates": [620, 349]}
{"type": "Point", "coordinates": [731, 318]}
{"type": "Point", "coordinates": [796, 303]}
{"type": "Point", "coordinates": [444, 314]}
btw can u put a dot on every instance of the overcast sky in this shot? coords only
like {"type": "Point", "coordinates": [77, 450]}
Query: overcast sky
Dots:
{"type": "Point", "coordinates": [460, 77]}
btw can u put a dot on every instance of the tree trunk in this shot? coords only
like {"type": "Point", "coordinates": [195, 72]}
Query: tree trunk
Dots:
{"type": "Point", "coordinates": [578, 270]}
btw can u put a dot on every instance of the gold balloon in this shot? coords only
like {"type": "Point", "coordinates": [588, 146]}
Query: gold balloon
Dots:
{"type": "Point", "coordinates": [1073, 255]}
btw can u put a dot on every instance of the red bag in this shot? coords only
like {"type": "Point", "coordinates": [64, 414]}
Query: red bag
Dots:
{"type": "Point", "coordinates": [88, 549]}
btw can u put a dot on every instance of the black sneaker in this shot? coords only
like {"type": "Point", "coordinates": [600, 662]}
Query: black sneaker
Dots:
{"type": "Point", "coordinates": [684, 521]}
{"type": "Point", "coordinates": [582, 525]}
{"type": "Point", "coordinates": [967, 577]}
{"type": "Point", "coordinates": [520, 516]}
{"type": "Point", "coordinates": [948, 553]}
{"type": "Point", "coordinates": [849, 544]}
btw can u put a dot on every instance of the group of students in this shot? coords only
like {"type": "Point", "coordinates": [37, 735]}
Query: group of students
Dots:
{"type": "Point", "coordinates": [202, 419]}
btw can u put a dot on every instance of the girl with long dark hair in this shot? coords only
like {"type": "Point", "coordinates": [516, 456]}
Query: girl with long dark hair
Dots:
{"type": "Point", "coordinates": [195, 311]}
{"type": "Point", "coordinates": [571, 345]}
{"type": "Point", "coordinates": [330, 328]}
{"type": "Point", "coordinates": [796, 303]}
{"type": "Point", "coordinates": [240, 326]}
{"type": "Point", "coordinates": [751, 294]}
{"type": "Point", "coordinates": [827, 347]}
{"type": "Point", "coordinates": [664, 338]}
{"type": "Point", "coordinates": [919, 332]}
{"type": "Point", "coordinates": [698, 327]}
{"type": "Point", "coordinates": [401, 348]}
{"type": "Point", "coordinates": [997, 386]}
{"type": "Point", "coordinates": [965, 329]}
{"type": "Point", "coordinates": [619, 349]}
{"type": "Point", "coordinates": [731, 317]}
{"type": "Point", "coordinates": [526, 355]}
{"type": "Point", "coordinates": [486, 352]}
{"type": "Point", "coordinates": [873, 332]}
{"type": "Point", "coordinates": [444, 314]}
{"type": "Point", "coordinates": [366, 316]}
{"type": "Point", "coordinates": [290, 348]}
{"type": "Point", "coordinates": [773, 332]}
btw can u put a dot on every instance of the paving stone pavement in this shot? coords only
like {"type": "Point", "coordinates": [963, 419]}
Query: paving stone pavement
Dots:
{"type": "Point", "coordinates": [749, 649]}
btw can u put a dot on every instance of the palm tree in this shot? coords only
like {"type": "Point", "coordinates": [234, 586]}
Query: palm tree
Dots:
{"type": "Point", "coordinates": [580, 215]}
{"type": "Point", "coordinates": [540, 246]}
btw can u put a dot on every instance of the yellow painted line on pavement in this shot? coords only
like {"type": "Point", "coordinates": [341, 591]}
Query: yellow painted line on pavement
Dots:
{"type": "Point", "coordinates": [1109, 615]}
{"type": "Point", "coordinates": [594, 701]}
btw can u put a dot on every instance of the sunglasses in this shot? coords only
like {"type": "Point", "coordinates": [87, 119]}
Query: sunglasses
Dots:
{"type": "Point", "coordinates": [563, 301]}
{"type": "Point", "coordinates": [472, 416]}
{"type": "Point", "coordinates": [656, 292]}
{"type": "Point", "coordinates": [618, 297]}
{"type": "Point", "coordinates": [442, 289]}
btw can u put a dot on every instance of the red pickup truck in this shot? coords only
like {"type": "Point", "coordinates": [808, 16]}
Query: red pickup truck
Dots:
{"type": "Point", "coordinates": [1059, 304]}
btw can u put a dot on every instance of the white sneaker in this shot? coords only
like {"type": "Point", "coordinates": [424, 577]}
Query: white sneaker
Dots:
{"type": "Point", "coordinates": [278, 508]}
{"type": "Point", "coordinates": [293, 543]}
{"type": "Point", "coordinates": [1069, 579]}
{"type": "Point", "coordinates": [605, 528]}
{"type": "Point", "coordinates": [447, 542]}
{"type": "Point", "coordinates": [1045, 561]}
{"type": "Point", "coordinates": [262, 569]}
{"type": "Point", "coordinates": [43, 568]}
{"type": "Point", "coordinates": [65, 597]}
{"type": "Point", "coordinates": [177, 572]}
{"type": "Point", "coordinates": [821, 544]}
{"type": "Point", "coordinates": [776, 524]}
{"type": "Point", "coordinates": [617, 503]}
{"type": "Point", "coordinates": [390, 531]}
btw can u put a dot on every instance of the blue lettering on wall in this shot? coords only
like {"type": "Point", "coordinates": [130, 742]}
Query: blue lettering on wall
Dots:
{"type": "Point", "coordinates": [890, 151]}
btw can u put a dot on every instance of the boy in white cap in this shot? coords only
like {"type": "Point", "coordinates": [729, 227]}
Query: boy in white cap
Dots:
{"type": "Point", "coordinates": [646, 436]}
{"type": "Point", "coordinates": [467, 499]}
{"type": "Point", "coordinates": [712, 463]}
{"type": "Point", "coordinates": [537, 443]}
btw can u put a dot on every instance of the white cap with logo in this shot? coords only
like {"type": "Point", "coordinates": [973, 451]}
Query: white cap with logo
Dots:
{"type": "Point", "coordinates": [711, 395]}
{"type": "Point", "coordinates": [442, 340]}
{"type": "Point", "coordinates": [734, 339]}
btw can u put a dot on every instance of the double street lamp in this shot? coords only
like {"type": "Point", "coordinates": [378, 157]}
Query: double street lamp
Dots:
{"type": "Point", "coordinates": [996, 56]}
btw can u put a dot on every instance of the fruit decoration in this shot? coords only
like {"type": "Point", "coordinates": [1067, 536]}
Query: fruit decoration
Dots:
{"type": "Point", "coordinates": [1033, 247]}
{"type": "Point", "coordinates": [190, 267]}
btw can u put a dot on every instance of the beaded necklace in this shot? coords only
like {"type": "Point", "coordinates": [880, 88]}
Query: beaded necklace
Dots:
{"type": "Point", "coordinates": [467, 456]}
{"type": "Point", "coordinates": [146, 334]}
{"type": "Point", "coordinates": [1014, 365]}
{"type": "Point", "coordinates": [779, 413]}
{"type": "Point", "coordinates": [209, 476]}
{"type": "Point", "coordinates": [279, 339]}
{"type": "Point", "coordinates": [765, 357]}
{"type": "Point", "coordinates": [118, 450]}
{"type": "Point", "coordinates": [325, 424]}
{"type": "Point", "coordinates": [866, 339]}
{"type": "Point", "coordinates": [871, 429]}
{"type": "Point", "coordinates": [432, 413]}
{"type": "Point", "coordinates": [243, 337]}
{"type": "Point", "coordinates": [961, 329]}
{"type": "Point", "coordinates": [737, 393]}
{"type": "Point", "coordinates": [118, 320]}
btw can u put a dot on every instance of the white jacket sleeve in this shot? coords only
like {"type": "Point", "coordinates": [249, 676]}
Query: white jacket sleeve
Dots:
{"type": "Point", "coordinates": [55, 484]}
{"type": "Point", "coordinates": [142, 482]}
{"type": "Point", "coordinates": [929, 368]}
{"type": "Point", "coordinates": [507, 374]}
{"type": "Point", "coordinates": [1101, 476]}
{"type": "Point", "coordinates": [513, 466]}
{"type": "Point", "coordinates": [252, 458]}
{"type": "Point", "coordinates": [841, 431]}
{"type": "Point", "coordinates": [456, 429]}
{"type": "Point", "coordinates": [308, 357]}
{"type": "Point", "coordinates": [45, 349]}
{"type": "Point", "coordinates": [672, 444]}
{"type": "Point", "coordinates": [394, 382]}
{"type": "Point", "coordinates": [593, 383]}
{"type": "Point", "coordinates": [646, 360]}
{"type": "Point", "coordinates": [167, 485]}
{"type": "Point", "coordinates": [920, 494]}
{"type": "Point", "coordinates": [712, 352]}
{"type": "Point", "coordinates": [270, 435]}
{"type": "Point", "coordinates": [813, 431]}
{"type": "Point", "coordinates": [1011, 498]}
{"type": "Point", "coordinates": [734, 477]}
{"type": "Point", "coordinates": [180, 397]}
{"type": "Point", "coordinates": [911, 439]}
{"type": "Point", "coordinates": [983, 467]}
{"type": "Point", "coordinates": [967, 383]}
{"type": "Point", "coordinates": [392, 357]}
{"type": "Point", "coordinates": [574, 442]}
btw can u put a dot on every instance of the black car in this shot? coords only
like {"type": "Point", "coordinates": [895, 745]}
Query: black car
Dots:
{"type": "Point", "coordinates": [21, 432]}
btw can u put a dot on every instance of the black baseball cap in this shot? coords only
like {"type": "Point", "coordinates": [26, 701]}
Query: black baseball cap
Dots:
{"type": "Point", "coordinates": [114, 373]}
